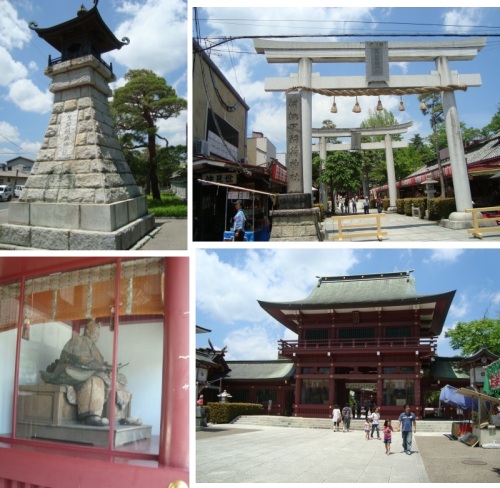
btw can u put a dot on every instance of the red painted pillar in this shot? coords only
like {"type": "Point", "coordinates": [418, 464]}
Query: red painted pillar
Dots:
{"type": "Point", "coordinates": [174, 431]}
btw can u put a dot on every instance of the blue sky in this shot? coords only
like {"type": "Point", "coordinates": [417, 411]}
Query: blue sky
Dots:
{"type": "Point", "coordinates": [229, 282]}
{"type": "Point", "coordinates": [247, 70]}
{"type": "Point", "coordinates": [157, 31]}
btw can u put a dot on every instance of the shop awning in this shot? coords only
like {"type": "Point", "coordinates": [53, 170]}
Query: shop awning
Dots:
{"type": "Point", "coordinates": [452, 396]}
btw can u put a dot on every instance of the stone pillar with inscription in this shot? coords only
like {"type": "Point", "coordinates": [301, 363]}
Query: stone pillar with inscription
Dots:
{"type": "Point", "coordinates": [295, 219]}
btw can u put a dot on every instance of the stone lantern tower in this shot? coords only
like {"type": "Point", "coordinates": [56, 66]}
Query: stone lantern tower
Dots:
{"type": "Point", "coordinates": [81, 194]}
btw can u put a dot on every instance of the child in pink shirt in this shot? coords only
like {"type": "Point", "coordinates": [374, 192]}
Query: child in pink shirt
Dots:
{"type": "Point", "coordinates": [387, 430]}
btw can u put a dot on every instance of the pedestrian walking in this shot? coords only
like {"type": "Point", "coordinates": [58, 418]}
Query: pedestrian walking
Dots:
{"type": "Point", "coordinates": [407, 424]}
{"type": "Point", "coordinates": [379, 205]}
{"type": "Point", "coordinates": [366, 205]}
{"type": "Point", "coordinates": [387, 430]}
{"type": "Point", "coordinates": [368, 428]}
{"type": "Point", "coordinates": [375, 422]}
{"type": "Point", "coordinates": [336, 418]}
{"type": "Point", "coordinates": [346, 418]}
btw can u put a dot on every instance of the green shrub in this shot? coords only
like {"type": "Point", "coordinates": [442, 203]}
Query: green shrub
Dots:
{"type": "Point", "coordinates": [441, 208]}
{"type": "Point", "coordinates": [223, 413]}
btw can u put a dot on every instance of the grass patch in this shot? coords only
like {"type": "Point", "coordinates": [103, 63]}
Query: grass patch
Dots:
{"type": "Point", "coordinates": [169, 206]}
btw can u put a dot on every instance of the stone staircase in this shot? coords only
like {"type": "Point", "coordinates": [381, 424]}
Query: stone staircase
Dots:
{"type": "Point", "coordinates": [438, 426]}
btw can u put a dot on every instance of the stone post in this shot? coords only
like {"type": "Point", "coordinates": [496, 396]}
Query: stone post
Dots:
{"type": "Point", "coordinates": [305, 73]}
{"type": "Point", "coordinates": [391, 174]}
{"type": "Point", "coordinates": [461, 186]}
{"type": "Point", "coordinates": [323, 196]}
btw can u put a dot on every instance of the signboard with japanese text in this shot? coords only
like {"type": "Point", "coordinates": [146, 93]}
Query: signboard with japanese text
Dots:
{"type": "Point", "coordinates": [227, 178]}
{"type": "Point", "coordinates": [238, 195]}
{"type": "Point", "coordinates": [278, 173]}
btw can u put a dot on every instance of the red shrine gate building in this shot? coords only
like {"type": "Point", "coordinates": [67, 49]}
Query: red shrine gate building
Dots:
{"type": "Point", "coordinates": [371, 338]}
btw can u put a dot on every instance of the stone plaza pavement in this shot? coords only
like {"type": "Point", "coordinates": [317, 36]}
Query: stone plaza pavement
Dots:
{"type": "Point", "coordinates": [401, 228]}
{"type": "Point", "coordinates": [246, 454]}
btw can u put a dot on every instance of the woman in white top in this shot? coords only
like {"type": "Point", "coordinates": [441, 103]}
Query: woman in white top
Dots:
{"type": "Point", "coordinates": [375, 419]}
{"type": "Point", "coordinates": [336, 418]}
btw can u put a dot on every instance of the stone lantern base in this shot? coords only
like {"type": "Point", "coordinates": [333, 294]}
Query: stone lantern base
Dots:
{"type": "Point", "coordinates": [117, 226]}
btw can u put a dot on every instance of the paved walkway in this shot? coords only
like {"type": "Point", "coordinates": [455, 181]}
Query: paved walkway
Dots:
{"type": "Point", "coordinates": [170, 234]}
{"type": "Point", "coordinates": [401, 228]}
{"type": "Point", "coordinates": [246, 454]}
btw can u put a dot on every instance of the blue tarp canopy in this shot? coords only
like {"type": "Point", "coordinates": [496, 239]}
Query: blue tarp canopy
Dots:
{"type": "Point", "coordinates": [450, 396]}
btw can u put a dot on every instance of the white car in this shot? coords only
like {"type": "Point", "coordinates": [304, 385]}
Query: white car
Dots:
{"type": "Point", "coordinates": [18, 190]}
{"type": "Point", "coordinates": [6, 193]}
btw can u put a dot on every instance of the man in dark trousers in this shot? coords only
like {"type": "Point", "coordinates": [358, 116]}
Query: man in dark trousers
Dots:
{"type": "Point", "coordinates": [407, 425]}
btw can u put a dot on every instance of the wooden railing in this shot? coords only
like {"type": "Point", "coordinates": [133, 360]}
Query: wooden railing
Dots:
{"type": "Point", "coordinates": [341, 226]}
{"type": "Point", "coordinates": [480, 219]}
{"type": "Point", "coordinates": [349, 344]}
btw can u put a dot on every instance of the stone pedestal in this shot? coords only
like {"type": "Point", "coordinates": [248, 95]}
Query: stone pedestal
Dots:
{"type": "Point", "coordinates": [81, 193]}
{"type": "Point", "coordinates": [295, 220]}
{"type": "Point", "coordinates": [457, 221]}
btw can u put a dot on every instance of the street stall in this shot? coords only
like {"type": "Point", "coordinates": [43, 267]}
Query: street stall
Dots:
{"type": "Point", "coordinates": [452, 396]}
{"type": "Point", "coordinates": [255, 205]}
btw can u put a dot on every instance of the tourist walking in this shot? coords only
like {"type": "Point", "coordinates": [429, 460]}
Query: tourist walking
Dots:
{"type": "Point", "coordinates": [407, 424]}
{"type": "Point", "coordinates": [368, 428]}
{"type": "Point", "coordinates": [375, 422]}
{"type": "Point", "coordinates": [336, 418]}
{"type": "Point", "coordinates": [379, 205]}
{"type": "Point", "coordinates": [366, 205]}
{"type": "Point", "coordinates": [346, 418]}
{"type": "Point", "coordinates": [387, 430]}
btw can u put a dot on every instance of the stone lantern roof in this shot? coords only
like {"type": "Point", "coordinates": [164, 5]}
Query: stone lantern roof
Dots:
{"type": "Point", "coordinates": [85, 34]}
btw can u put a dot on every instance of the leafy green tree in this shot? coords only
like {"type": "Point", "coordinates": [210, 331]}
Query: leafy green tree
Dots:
{"type": "Point", "coordinates": [342, 171]}
{"type": "Point", "coordinates": [137, 107]}
{"type": "Point", "coordinates": [494, 126]}
{"type": "Point", "coordinates": [170, 160]}
{"type": "Point", "coordinates": [471, 336]}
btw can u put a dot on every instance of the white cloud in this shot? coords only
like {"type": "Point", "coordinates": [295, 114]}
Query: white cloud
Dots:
{"type": "Point", "coordinates": [462, 20]}
{"type": "Point", "coordinates": [228, 292]}
{"type": "Point", "coordinates": [11, 141]}
{"type": "Point", "coordinates": [157, 33]}
{"type": "Point", "coordinates": [174, 129]}
{"type": "Point", "coordinates": [27, 96]}
{"type": "Point", "coordinates": [460, 307]}
{"type": "Point", "coordinates": [445, 255]}
{"type": "Point", "coordinates": [251, 343]}
{"type": "Point", "coordinates": [14, 33]}
{"type": "Point", "coordinates": [10, 70]}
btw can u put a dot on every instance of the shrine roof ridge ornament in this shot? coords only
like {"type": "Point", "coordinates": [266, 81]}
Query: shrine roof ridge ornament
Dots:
{"type": "Point", "coordinates": [360, 277]}
{"type": "Point", "coordinates": [355, 52]}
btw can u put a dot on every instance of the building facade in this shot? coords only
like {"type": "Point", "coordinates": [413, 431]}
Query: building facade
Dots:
{"type": "Point", "coordinates": [364, 339]}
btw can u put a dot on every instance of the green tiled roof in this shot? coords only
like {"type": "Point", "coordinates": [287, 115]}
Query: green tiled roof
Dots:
{"type": "Point", "coordinates": [260, 370]}
{"type": "Point", "coordinates": [448, 369]}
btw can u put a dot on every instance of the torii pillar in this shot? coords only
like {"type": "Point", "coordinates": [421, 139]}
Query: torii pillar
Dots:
{"type": "Point", "coordinates": [81, 194]}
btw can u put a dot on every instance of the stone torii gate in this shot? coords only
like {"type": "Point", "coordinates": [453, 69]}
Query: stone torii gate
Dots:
{"type": "Point", "coordinates": [356, 134]}
{"type": "Point", "coordinates": [378, 81]}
